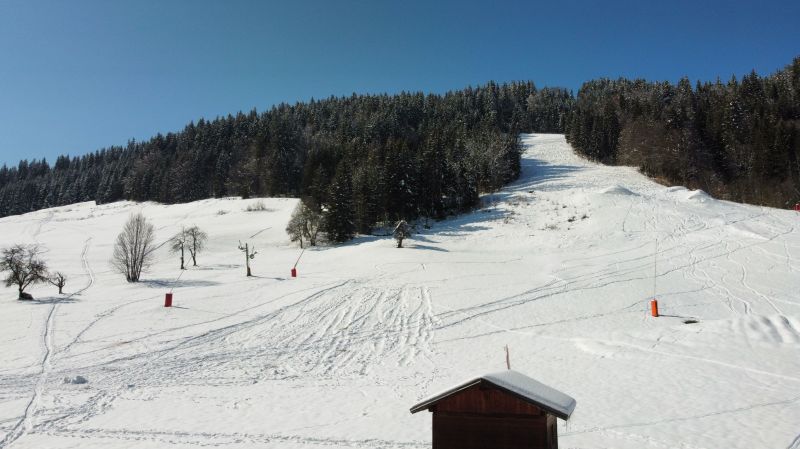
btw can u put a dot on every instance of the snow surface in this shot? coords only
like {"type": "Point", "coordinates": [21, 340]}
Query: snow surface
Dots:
{"type": "Point", "coordinates": [559, 266]}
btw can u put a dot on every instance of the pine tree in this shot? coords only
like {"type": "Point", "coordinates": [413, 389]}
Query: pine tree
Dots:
{"type": "Point", "coordinates": [338, 212]}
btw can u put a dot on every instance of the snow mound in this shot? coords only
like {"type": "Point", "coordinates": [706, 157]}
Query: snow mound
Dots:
{"type": "Point", "coordinates": [698, 196]}
{"type": "Point", "coordinates": [769, 329]}
{"type": "Point", "coordinates": [618, 190]}
{"type": "Point", "coordinates": [676, 189]}
{"type": "Point", "coordinates": [77, 380]}
{"type": "Point", "coordinates": [750, 231]}
{"type": "Point", "coordinates": [598, 348]}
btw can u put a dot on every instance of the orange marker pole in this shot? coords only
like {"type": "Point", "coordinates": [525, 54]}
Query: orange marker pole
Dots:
{"type": "Point", "coordinates": [654, 308]}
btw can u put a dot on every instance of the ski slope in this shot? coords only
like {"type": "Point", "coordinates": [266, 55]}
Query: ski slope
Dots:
{"type": "Point", "coordinates": [559, 266]}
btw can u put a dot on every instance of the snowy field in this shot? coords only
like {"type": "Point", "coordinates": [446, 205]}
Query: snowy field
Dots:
{"type": "Point", "coordinates": [559, 266]}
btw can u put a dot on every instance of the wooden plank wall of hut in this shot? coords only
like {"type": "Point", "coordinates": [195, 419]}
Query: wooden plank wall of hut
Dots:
{"type": "Point", "coordinates": [486, 400]}
{"type": "Point", "coordinates": [467, 431]}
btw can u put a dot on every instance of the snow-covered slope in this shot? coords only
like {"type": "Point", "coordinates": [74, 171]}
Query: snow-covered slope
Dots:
{"type": "Point", "coordinates": [559, 266]}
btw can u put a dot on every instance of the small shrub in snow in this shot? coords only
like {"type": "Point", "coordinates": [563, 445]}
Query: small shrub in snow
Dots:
{"type": "Point", "coordinates": [258, 206]}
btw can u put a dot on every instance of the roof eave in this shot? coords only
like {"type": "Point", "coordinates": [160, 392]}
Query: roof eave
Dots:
{"type": "Point", "coordinates": [425, 405]}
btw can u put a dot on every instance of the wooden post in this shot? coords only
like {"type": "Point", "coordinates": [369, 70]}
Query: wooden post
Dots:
{"type": "Point", "coordinates": [247, 255]}
{"type": "Point", "coordinates": [247, 258]}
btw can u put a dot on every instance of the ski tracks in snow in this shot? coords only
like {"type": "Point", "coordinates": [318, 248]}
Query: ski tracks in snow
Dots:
{"type": "Point", "coordinates": [238, 438]}
{"type": "Point", "coordinates": [347, 330]}
{"type": "Point", "coordinates": [40, 224]}
{"type": "Point", "coordinates": [26, 422]}
{"type": "Point", "coordinates": [795, 444]}
{"type": "Point", "coordinates": [343, 331]}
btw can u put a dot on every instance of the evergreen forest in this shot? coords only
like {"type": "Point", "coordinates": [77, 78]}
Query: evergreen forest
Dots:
{"type": "Point", "coordinates": [362, 160]}
{"type": "Point", "coordinates": [738, 140]}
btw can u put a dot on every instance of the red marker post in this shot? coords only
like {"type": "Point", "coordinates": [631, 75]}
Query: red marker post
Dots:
{"type": "Point", "coordinates": [294, 267]}
{"type": "Point", "coordinates": [654, 308]}
{"type": "Point", "coordinates": [168, 300]}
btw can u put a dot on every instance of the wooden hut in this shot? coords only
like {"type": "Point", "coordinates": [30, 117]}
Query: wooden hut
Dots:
{"type": "Point", "coordinates": [505, 410]}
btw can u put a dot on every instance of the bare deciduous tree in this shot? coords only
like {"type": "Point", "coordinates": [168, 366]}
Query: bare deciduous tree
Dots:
{"type": "Point", "coordinates": [177, 245]}
{"type": "Point", "coordinates": [304, 224]}
{"type": "Point", "coordinates": [134, 249]}
{"type": "Point", "coordinates": [249, 253]}
{"type": "Point", "coordinates": [196, 242]}
{"type": "Point", "coordinates": [59, 280]}
{"type": "Point", "coordinates": [25, 267]}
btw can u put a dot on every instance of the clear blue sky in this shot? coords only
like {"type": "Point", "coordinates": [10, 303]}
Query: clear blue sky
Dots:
{"type": "Point", "coordinates": [76, 76]}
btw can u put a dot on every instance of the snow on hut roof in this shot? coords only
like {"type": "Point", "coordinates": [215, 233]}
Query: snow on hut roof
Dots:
{"type": "Point", "coordinates": [519, 385]}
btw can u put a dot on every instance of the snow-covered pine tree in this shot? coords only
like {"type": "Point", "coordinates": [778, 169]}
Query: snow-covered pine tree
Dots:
{"type": "Point", "coordinates": [338, 214]}
{"type": "Point", "coordinates": [401, 232]}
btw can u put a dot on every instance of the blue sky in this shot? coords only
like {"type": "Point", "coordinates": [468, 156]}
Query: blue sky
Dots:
{"type": "Point", "coordinates": [76, 76]}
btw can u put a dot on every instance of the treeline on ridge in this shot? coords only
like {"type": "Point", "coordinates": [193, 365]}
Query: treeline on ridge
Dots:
{"type": "Point", "coordinates": [367, 158]}
{"type": "Point", "coordinates": [738, 140]}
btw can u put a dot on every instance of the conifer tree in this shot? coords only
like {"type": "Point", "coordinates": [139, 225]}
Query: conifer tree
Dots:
{"type": "Point", "coordinates": [338, 215]}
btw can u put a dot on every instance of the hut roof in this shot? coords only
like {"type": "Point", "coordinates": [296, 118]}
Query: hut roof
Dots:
{"type": "Point", "coordinates": [516, 384]}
